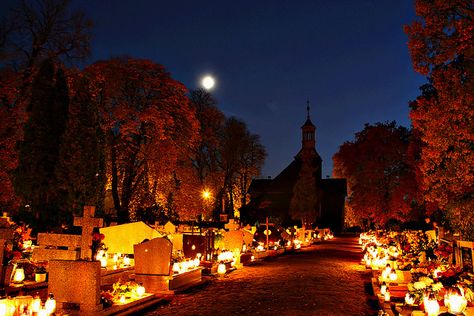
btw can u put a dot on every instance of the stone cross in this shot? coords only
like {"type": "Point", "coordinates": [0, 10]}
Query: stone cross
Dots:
{"type": "Point", "coordinates": [232, 225]}
{"type": "Point", "coordinates": [88, 223]}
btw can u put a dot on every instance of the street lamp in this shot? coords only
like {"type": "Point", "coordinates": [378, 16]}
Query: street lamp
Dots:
{"type": "Point", "coordinates": [206, 194]}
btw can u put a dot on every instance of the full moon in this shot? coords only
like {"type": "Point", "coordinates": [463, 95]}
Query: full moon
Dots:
{"type": "Point", "coordinates": [208, 82]}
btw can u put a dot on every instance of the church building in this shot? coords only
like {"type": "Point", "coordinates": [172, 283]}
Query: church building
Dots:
{"type": "Point", "coordinates": [300, 180]}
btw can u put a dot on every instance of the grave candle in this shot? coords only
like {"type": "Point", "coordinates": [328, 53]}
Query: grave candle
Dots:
{"type": "Point", "coordinates": [409, 299]}
{"type": "Point", "coordinates": [36, 305]}
{"type": "Point", "coordinates": [50, 304]}
{"type": "Point", "coordinates": [42, 312]}
{"type": "Point", "coordinates": [19, 275]}
{"type": "Point", "coordinates": [140, 290]}
{"type": "Point", "coordinates": [387, 296]}
{"type": "Point", "coordinates": [3, 307]}
{"type": "Point", "coordinates": [431, 305]}
{"type": "Point", "coordinates": [126, 261]}
{"type": "Point", "coordinates": [383, 288]}
{"type": "Point", "coordinates": [455, 301]}
{"type": "Point", "coordinates": [221, 269]}
{"type": "Point", "coordinates": [393, 275]}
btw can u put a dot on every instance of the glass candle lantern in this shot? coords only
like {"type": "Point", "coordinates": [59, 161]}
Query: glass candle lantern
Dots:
{"type": "Point", "coordinates": [383, 288]}
{"type": "Point", "coordinates": [19, 276]}
{"type": "Point", "coordinates": [50, 304]}
{"type": "Point", "coordinates": [387, 296]}
{"type": "Point", "coordinates": [221, 269]}
{"type": "Point", "coordinates": [431, 305]}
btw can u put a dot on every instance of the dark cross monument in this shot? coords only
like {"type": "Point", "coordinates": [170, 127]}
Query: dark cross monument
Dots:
{"type": "Point", "coordinates": [88, 223]}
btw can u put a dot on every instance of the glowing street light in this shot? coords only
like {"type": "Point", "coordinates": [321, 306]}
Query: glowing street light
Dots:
{"type": "Point", "coordinates": [206, 194]}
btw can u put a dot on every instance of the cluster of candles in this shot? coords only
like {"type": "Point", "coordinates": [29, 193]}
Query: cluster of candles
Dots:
{"type": "Point", "coordinates": [186, 265]}
{"type": "Point", "coordinates": [27, 305]}
{"type": "Point", "coordinates": [118, 260]}
{"type": "Point", "coordinates": [378, 257]}
{"type": "Point", "coordinates": [389, 273]}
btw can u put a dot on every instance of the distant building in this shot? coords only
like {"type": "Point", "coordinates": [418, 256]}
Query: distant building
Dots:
{"type": "Point", "coordinates": [272, 197]}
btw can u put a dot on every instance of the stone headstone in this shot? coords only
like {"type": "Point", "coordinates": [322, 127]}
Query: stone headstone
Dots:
{"type": "Point", "coordinates": [57, 246]}
{"type": "Point", "coordinates": [464, 253]}
{"type": "Point", "coordinates": [194, 244]}
{"type": "Point", "coordinates": [76, 282]}
{"type": "Point", "coordinates": [233, 240]}
{"type": "Point", "coordinates": [248, 237]}
{"type": "Point", "coordinates": [153, 257]}
{"type": "Point", "coordinates": [121, 238]}
{"type": "Point", "coordinates": [88, 223]}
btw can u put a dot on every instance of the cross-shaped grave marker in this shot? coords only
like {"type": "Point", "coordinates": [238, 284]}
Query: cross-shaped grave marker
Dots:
{"type": "Point", "coordinates": [88, 223]}
{"type": "Point", "coordinates": [232, 225]}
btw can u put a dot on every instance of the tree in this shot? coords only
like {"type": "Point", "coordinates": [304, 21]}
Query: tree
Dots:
{"type": "Point", "coordinates": [441, 44]}
{"type": "Point", "coordinates": [150, 127]}
{"type": "Point", "coordinates": [81, 166]}
{"type": "Point", "coordinates": [205, 157]}
{"type": "Point", "coordinates": [32, 32]}
{"type": "Point", "coordinates": [381, 181]}
{"type": "Point", "coordinates": [241, 157]}
{"type": "Point", "coordinates": [35, 179]}
{"type": "Point", "coordinates": [36, 30]}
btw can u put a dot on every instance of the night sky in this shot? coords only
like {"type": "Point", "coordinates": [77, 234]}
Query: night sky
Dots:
{"type": "Point", "coordinates": [348, 57]}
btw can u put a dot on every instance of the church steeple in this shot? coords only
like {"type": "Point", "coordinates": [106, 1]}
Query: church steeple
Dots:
{"type": "Point", "coordinates": [308, 132]}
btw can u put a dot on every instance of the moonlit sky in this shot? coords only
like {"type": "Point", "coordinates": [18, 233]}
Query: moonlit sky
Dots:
{"type": "Point", "coordinates": [348, 57]}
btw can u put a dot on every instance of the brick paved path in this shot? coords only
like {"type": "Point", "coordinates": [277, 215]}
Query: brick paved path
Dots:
{"type": "Point", "coordinates": [324, 279]}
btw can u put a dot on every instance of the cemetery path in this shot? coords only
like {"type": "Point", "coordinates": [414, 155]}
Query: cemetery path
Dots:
{"type": "Point", "coordinates": [324, 279]}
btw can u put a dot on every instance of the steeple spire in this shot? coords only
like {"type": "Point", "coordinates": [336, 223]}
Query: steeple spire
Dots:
{"type": "Point", "coordinates": [308, 131]}
{"type": "Point", "coordinates": [307, 108]}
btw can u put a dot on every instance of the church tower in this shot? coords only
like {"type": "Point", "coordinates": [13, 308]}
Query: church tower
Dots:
{"type": "Point", "coordinates": [308, 151]}
{"type": "Point", "coordinates": [308, 133]}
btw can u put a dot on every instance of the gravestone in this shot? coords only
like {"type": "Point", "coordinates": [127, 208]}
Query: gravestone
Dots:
{"type": "Point", "coordinates": [76, 283]}
{"type": "Point", "coordinates": [248, 237]}
{"type": "Point", "coordinates": [57, 246]}
{"type": "Point", "coordinates": [153, 257]}
{"type": "Point", "coordinates": [232, 225]}
{"type": "Point", "coordinates": [234, 240]}
{"type": "Point", "coordinates": [88, 223]}
{"type": "Point", "coordinates": [464, 253]}
{"type": "Point", "coordinates": [193, 244]}
{"type": "Point", "coordinates": [153, 268]}
{"type": "Point", "coordinates": [122, 238]}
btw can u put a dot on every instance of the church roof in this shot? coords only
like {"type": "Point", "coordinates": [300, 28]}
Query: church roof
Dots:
{"type": "Point", "coordinates": [308, 123]}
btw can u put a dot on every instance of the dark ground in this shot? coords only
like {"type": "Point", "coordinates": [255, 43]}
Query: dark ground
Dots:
{"type": "Point", "coordinates": [324, 279]}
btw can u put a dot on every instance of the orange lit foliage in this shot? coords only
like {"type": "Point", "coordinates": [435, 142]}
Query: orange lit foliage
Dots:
{"type": "Point", "coordinates": [150, 127]}
{"type": "Point", "coordinates": [381, 182]}
{"type": "Point", "coordinates": [441, 44]}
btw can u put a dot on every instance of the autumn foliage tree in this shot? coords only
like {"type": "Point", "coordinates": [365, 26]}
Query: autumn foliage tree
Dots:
{"type": "Point", "coordinates": [149, 128]}
{"type": "Point", "coordinates": [381, 181]}
{"type": "Point", "coordinates": [441, 44]}
{"type": "Point", "coordinates": [31, 32]}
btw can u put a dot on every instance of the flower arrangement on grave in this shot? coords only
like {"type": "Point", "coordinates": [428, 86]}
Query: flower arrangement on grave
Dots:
{"type": "Point", "coordinates": [424, 287]}
{"type": "Point", "coordinates": [97, 244]}
{"type": "Point", "coordinates": [122, 292]}
{"type": "Point", "coordinates": [443, 252]}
